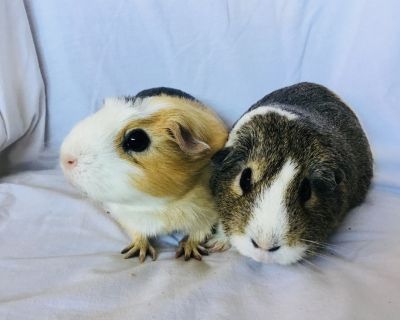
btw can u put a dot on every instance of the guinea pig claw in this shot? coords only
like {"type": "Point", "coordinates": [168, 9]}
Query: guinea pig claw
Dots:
{"type": "Point", "coordinates": [126, 249]}
{"type": "Point", "coordinates": [195, 254]}
{"type": "Point", "coordinates": [202, 250]}
{"type": "Point", "coordinates": [132, 252]}
{"type": "Point", "coordinates": [190, 249]}
{"type": "Point", "coordinates": [142, 255]}
{"type": "Point", "coordinates": [140, 249]}
{"type": "Point", "coordinates": [153, 252]}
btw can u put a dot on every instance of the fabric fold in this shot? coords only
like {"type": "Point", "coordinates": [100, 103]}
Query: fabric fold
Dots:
{"type": "Point", "coordinates": [22, 92]}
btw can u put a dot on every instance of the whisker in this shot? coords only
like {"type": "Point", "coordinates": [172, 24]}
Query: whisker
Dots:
{"type": "Point", "coordinates": [332, 254]}
{"type": "Point", "coordinates": [311, 265]}
{"type": "Point", "coordinates": [318, 254]}
{"type": "Point", "coordinates": [320, 244]}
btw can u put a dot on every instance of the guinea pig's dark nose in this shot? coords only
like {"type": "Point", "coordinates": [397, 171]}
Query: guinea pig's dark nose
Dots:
{"type": "Point", "coordinates": [272, 249]}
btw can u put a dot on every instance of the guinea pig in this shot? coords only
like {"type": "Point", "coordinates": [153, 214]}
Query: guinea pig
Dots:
{"type": "Point", "coordinates": [146, 159]}
{"type": "Point", "coordinates": [294, 164]}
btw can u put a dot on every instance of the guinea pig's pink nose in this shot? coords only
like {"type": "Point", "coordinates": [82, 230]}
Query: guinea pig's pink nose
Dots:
{"type": "Point", "coordinates": [69, 161]}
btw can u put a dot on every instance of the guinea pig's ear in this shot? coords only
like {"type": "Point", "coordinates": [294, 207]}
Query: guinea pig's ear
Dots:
{"type": "Point", "coordinates": [185, 139]}
{"type": "Point", "coordinates": [221, 155]}
{"type": "Point", "coordinates": [326, 180]}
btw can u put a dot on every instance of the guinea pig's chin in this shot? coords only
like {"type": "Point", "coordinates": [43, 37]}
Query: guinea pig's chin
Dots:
{"type": "Point", "coordinates": [285, 255]}
{"type": "Point", "coordinates": [290, 254]}
{"type": "Point", "coordinates": [72, 181]}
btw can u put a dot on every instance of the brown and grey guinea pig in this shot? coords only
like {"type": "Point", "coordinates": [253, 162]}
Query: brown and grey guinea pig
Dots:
{"type": "Point", "coordinates": [295, 163]}
{"type": "Point", "coordinates": [146, 159]}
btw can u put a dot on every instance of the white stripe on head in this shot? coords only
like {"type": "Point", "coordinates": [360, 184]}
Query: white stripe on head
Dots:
{"type": "Point", "coordinates": [269, 222]}
{"type": "Point", "coordinates": [247, 117]}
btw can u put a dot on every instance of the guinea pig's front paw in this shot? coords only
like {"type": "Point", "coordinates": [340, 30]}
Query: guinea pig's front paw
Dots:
{"type": "Point", "coordinates": [190, 249]}
{"type": "Point", "coordinates": [217, 244]}
{"type": "Point", "coordinates": [140, 247]}
{"type": "Point", "coordinates": [218, 241]}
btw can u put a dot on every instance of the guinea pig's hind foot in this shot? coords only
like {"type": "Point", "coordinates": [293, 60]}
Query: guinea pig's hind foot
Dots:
{"type": "Point", "coordinates": [140, 247]}
{"type": "Point", "coordinates": [190, 249]}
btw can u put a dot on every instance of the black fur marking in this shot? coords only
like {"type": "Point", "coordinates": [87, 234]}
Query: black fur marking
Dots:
{"type": "Point", "coordinates": [164, 91]}
{"type": "Point", "coordinates": [220, 156]}
{"type": "Point", "coordinates": [129, 98]}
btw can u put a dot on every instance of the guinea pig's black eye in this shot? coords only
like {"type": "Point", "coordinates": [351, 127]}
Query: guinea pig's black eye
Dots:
{"type": "Point", "coordinates": [305, 190]}
{"type": "Point", "coordinates": [136, 140]}
{"type": "Point", "coordinates": [245, 180]}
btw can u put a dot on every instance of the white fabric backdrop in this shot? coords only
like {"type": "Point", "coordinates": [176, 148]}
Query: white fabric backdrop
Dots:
{"type": "Point", "coordinates": [59, 254]}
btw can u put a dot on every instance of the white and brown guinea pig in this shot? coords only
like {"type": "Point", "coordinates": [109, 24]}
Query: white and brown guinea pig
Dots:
{"type": "Point", "coordinates": [146, 159]}
{"type": "Point", "coordinates": [295, 163]}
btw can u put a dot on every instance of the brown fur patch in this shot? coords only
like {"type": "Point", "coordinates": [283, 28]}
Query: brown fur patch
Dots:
{"type": "Point", "coordinates": [168, 171]}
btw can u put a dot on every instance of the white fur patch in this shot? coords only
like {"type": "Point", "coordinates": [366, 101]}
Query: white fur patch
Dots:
{"type": "Point", "coordinates": [140, 109]}
{"type": "Point", "coordinates": [141, 216]}
{"type": "Point", "coordinates": [258, 111]}
{"type": "Point", "coordinates": [285, 255]}
{"type": "Point", "coordinates": [269, 223]}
